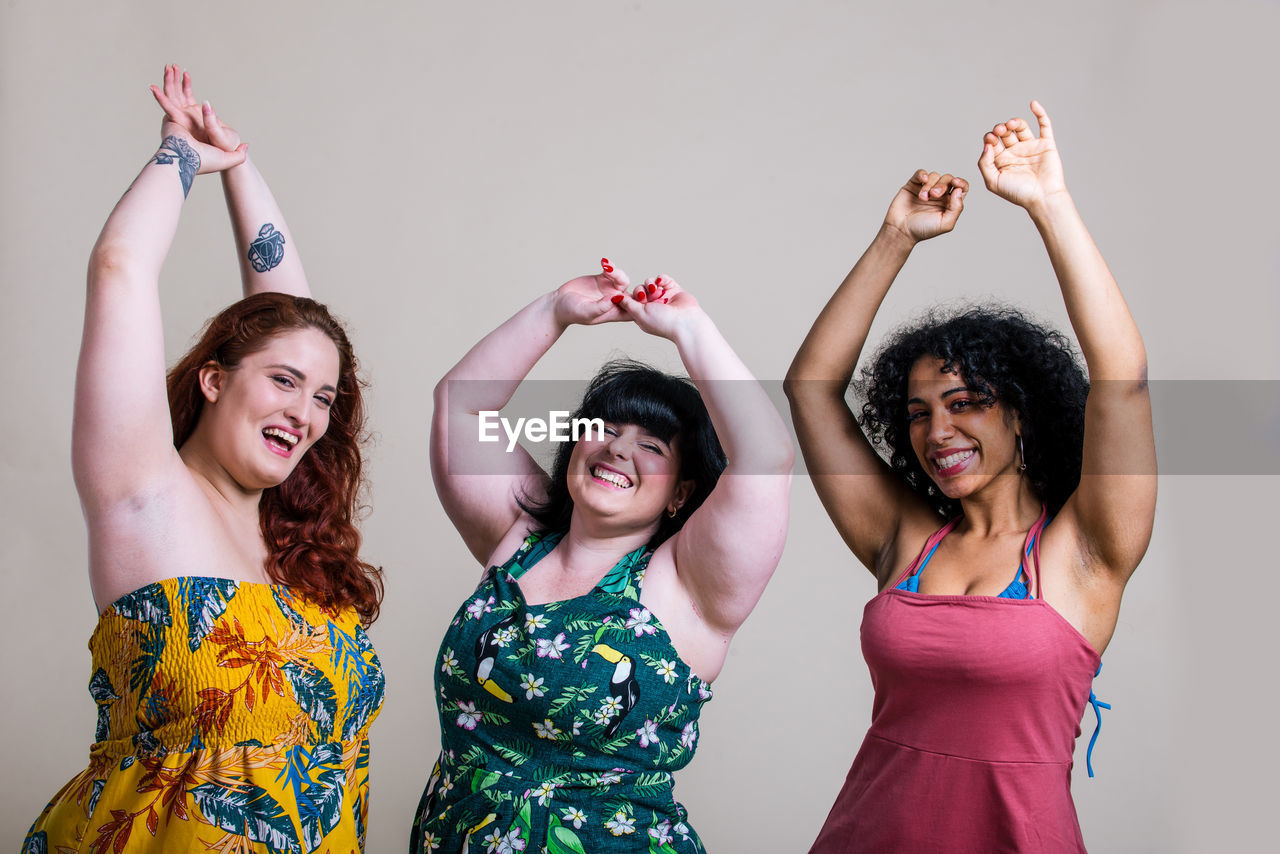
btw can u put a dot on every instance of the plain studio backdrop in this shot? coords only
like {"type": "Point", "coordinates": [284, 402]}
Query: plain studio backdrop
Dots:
{"type": "Point", "coordinates": [442, 164]}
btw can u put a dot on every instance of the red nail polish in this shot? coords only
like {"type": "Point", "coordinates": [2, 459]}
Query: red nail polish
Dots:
{"type": "Point", "coordinates": [604, 260]}
{"type": "Point", "coordinates": [652, 289]}
{"type": "Point", "coordinates": [664, 299]}
{"type": "Point", "coordinates": [607, 268]}
{"type": "Point", "coordinates": [640, 296]}
{"type": "Point", "coordinates": [658, 280]}
{"type": "Point", "coordinates": [617, 299]}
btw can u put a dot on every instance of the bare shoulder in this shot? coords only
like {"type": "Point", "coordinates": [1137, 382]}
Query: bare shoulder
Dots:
{"type": "Point", "coordinates": [1085, 593]}
{"type": "Point", "coordinates": [510, 542]}
{"type": "Point", "coordinates": [663, 593]}
{"type": "Point", "coordinates": [915, 527]}
{"type": "Point", "coordinates": [167, 530]}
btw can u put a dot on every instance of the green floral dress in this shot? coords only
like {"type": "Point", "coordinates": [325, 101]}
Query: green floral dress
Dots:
{"type": "Point", "coordinates": [562, 723]}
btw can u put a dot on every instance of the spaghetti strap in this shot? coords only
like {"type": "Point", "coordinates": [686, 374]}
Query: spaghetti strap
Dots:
{"type": "Point", "coordinates": [1033, 537]}
{"type": "Point", "coordinates": [930, 545]}
{"type": "Point", "coordinates": [534, 548]}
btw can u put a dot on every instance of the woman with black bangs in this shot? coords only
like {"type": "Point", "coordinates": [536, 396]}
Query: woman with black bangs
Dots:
{"type": "Point", "coordinates": [987, 632]}
{"type": "Point", "coordinates": [570, 683]}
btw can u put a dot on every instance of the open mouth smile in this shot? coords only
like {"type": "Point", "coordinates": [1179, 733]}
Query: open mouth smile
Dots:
{"type": "Point", "coordinates": [614, 478]}
{"type": "Point", "coordinates": [280, 441]}
{"type": "Point", "coordinates": [953, 463]}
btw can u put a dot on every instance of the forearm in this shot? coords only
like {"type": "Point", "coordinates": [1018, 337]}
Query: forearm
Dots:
{"type": "Point", "coordinates": [1109, 338]}
{"type": "Point", "coordinates": [749, 428]}
{"type": "Point", "coordinates": [267, 254]}
{"type": "Point", "coordinates": [138, 233]}
{"type": "Point", "coordinates": [491, 371]}
{"type": "Point", "coordinates": [830, 351]}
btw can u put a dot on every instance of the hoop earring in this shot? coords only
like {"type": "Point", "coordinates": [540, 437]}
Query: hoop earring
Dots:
{"type": "Point", "coordinates": [1022, 457]}
{"type": "Point", "coordinates": [672, 511]}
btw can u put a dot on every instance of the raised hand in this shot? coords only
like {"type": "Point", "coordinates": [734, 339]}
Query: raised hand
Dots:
{"type": "Point", "coordinates": [927, 205]}
{"type": "Point", "coordinates": [181, 107]}
{"type": "Point", "coordinates": [589, 300]}
{"type": "Point", "coordinates": [217, 145]}
{"type": "Point", "coordinates": [659, 306]}
{"type": "Point", "coordinates": [1019, 167]}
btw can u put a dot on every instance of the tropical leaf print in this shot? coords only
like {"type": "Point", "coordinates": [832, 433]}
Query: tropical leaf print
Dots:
{"type": "Point", "coordinates": [150, 643]}
{"type": "Point", "coordinates": [113, 836]}
{"type": "Point", "coordinates": [562, 840]}
{"type": "Point", "coordinates": [283, 601]}
{"type": "Point", "coordinates": [618, 578]}
{"type": "Point", "coordinates": [146, 604]}
{"type": "Point", "coordinates": [247, 772]}
{"type": "Point", "coordinates": [37, 843]}
{"type": "Point", "coordinates": [315, 696]}
{"type": "Point", "coordinates": [354, 656]}
{"type": "Point", "coordinates": [205, 600]}
{"type": "Point", "coordinates": [155, 704]}
{"type": "Point", "coordinates": [103, 694]}
{"type": "Point", "coordinates": [249, 811]}
{"type": "Point", "coordinates": [512, 754]}
{"type": "Point", "coordinates": [94, 794]}
{"type": "Point", "coordinates": [320, 807]}
{"type": "Point", "coordinates": [571, 694]}
{"type": "Point", "coordinates": [575, 672]}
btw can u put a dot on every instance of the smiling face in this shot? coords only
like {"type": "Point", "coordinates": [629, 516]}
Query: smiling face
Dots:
{"type": "Point", "coordinates": [962, 437]}
{"type": "Point", "coordinates": [626, 481]}
{"type": "Point", "coordinates": [262, 416]}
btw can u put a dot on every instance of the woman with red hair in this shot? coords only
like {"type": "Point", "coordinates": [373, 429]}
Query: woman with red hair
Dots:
{"type": "Point", "coordinates": [234, 681]}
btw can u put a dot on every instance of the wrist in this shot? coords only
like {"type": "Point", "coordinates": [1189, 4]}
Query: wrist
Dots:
{"type": "Point", "coordinates": [1051, 206]}
{"type": "Point", "coordinates": [693, 325]}
{"type": "Point", "coordinates": [892, 238]}
{"type": "Point", "coordinates": [547, 306]}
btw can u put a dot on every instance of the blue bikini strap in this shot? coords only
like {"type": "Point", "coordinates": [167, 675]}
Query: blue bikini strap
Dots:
{"type": "Point", "coordinates": [1098, 706]}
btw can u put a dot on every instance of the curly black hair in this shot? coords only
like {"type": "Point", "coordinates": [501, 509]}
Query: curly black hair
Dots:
{"type": "Point", "coordinates": [667, 406]}
{"type": "Point", "coordinates": [1026, 366]}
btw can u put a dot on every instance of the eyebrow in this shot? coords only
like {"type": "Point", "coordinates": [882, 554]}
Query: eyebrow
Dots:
{"type": "Point", "coordinates": [299, 375]}
{"type": "Point", "coordinates": [948, 393]}
{"type": "Point", "coordinates": [643, 432]}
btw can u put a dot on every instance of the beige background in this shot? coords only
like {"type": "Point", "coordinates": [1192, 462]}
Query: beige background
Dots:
{"type": "Point", "coordinates": [441, 164]}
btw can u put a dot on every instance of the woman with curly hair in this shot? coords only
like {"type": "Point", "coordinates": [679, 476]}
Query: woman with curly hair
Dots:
{"type": "Point", "coordinates": [987, 631]}
{"type": "Point", "coordinates": [570, 683]}
{"type": "Point", "coordinates": [234, 681]}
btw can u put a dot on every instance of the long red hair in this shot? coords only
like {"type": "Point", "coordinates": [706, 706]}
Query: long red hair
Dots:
{"type": "Point", "coordinates": [308, 521]}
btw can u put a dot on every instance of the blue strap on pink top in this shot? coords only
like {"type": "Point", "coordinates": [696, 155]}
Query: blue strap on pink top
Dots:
{"type": "Point", "coordinates": [1098, 706]}
{"type": "Point", "coordinates": [1016, 589]}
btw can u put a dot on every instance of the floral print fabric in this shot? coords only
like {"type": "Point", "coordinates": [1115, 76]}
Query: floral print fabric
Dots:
{"type": "Point", "coordinates": [232, 717]}
{"type": "Point", "coordinates": [561, 724]}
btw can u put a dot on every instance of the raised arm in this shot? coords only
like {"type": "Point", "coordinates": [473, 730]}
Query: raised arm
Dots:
{"type": "Point", "coordinates": [861, 494]}
{"type": "Point", "coordinates": [122, 441]}
{"type": "Point", "coordinates": [265, 249]}
{"type": "Point", "coordinates": [728, 549]}
{"type": "Point", "coordinates": [1114, 506]}
{"type": "Point", "coordinates": [479, 482]}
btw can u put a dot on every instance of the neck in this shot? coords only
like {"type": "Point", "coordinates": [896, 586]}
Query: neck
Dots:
{"type": "Point", "coordinates": [587, 549]}
{"type": "Point", "coordinates": [1005, 505]}
{"type": "Point", "coordinates": [223, 491]}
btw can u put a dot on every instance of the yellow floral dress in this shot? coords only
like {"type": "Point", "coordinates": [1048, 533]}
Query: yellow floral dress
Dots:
{"type": "Point", "coordinates": [232, 717]}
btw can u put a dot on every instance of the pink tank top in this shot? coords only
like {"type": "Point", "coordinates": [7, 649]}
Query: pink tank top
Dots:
{"type": "Point", "coordinates": [978, 702]}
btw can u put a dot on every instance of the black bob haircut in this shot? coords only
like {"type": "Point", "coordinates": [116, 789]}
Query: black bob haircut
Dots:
{"type": "Point", "coordinates": [1024, 365]}
{"type": "Point", "coordinates": [669, 407]}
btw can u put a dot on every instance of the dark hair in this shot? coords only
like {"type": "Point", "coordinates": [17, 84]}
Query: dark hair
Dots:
{"type": "Point", "coordinates": [308, 521]}
{"type": "Point", "coordinates": [1027, 367]}
{"type": "Point", "coordinates": [669, 407]}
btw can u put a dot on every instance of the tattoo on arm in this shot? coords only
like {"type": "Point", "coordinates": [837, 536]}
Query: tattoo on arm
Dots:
{"type": "Point", "coordinates": [175, 149]}
{"type": "Point", "coordinates": [267, 251]}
